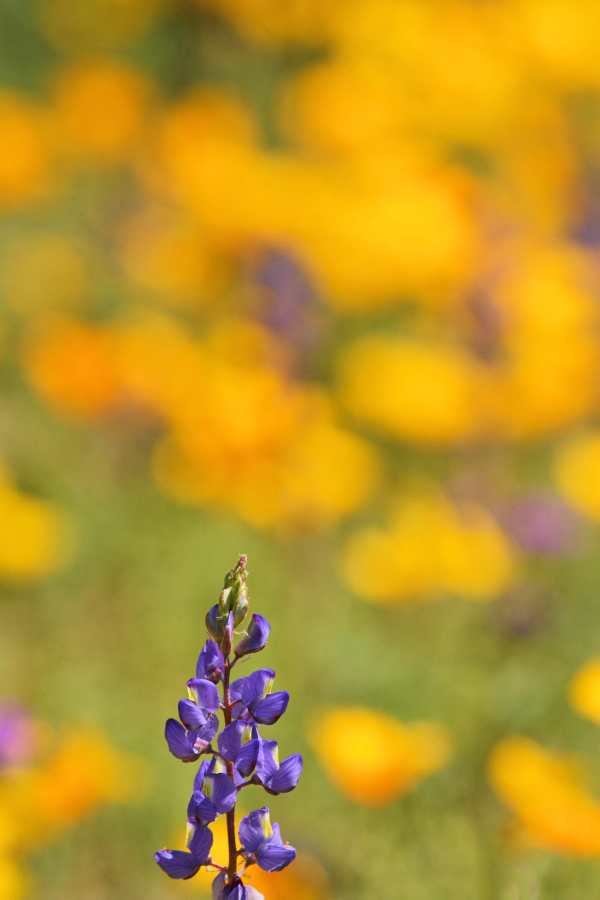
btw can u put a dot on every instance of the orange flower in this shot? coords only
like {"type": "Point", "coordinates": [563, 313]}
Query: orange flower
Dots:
{"type": "Point", "coordinates": [372, 757]}
{"type": "Point", "coordinates": [548, 795]}
{"type": "Point", "coordinates": [72, 365]}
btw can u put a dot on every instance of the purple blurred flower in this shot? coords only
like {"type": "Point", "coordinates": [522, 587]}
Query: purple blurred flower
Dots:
{"type": "Point", "coordinates": [542, 524]}
{"type": "Point", "coordinates": [18, 736]}
{"type": "Point", "coordinates": [292, 309]}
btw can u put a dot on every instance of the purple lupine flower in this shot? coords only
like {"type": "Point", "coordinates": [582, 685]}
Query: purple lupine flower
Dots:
{"type": "Point", "coordinates": [18, 736]}
{"type": "Point", "coordinates": [210, 663]}
{"type": "Point", "coordinates": [217, 795]}
{"type": "Point", "coordinates": [185, 864]}
{"type": "Point", "coordinates": [260, 758]}
{"type": "Point", "coordinates": [261, 842]}
{"type": "Point", "coordinates": [263, 706]}
{"type": "Point", "coordinates": [256, 637]}
{"type": "Point", "coordinates": [246, 703]}
{"type": "Point", "coordinates": [186, 744]}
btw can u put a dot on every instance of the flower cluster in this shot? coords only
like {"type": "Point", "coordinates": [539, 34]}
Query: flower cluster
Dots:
{"type": "Point", "coordinates": [241, 758]}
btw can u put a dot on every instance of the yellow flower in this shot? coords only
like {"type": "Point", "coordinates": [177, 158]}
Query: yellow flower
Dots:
{"type": "Point", "coordinates": [243, 436]}
{"type": "Point", "coordinates": [430, 548]}
{"type": "Point", "coordinates": [577, 473]}
{"type": "Point", "coordinates": [35, 536]}
{"type": "Point", "coordinates": [100, 110]}
{"type": "Point", "coordinates": [584, 690]}
{"type": "Point", "coordinates": [548, 795]}
{"type": "Point", "coordinates": [561, 39]}
{"type": "Point", "coordinates": [171, 258]}
{"type": "Point", "coordinates": [374, 758]}
{"type": "Point", "coordinates": [13, 880]}
{"type": "Point", "coordinates": [24, 158]}
{"type": "Point", "coordinates": [416, 392]}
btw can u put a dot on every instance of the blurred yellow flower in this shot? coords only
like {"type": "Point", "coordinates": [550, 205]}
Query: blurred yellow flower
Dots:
{"type": "Point", "coordinates": [243, 437]}
{"type": "Point", "coordinates": [36, 537]}
{"type": "Point", "coordinates": [584, 690]}
{"type": "Point", "coordinates": [416, 392]}
{"type": "Point", "coordinates": [72, 365]}
{"type": "Point", "coordinates": [24, 157]}
{"type": "Point", "coordinates": [561, 39]}
{"type": "Point", "coordinates": [100, 110]}
{"type": "Point", "coordinates": [548, 795]}
{"type": "Point", "coordinates": [374, 758]}
{"type": "Point", "coordinates": [44, 271]}
{"type": "Point", "coordinates": [430, 548]}
{"type": "Point", "coordinates": [577, 473]}
{"type": "Point", "coordinates": [14, 882]}
{"type": "Point", "coordinates": [171, 258]}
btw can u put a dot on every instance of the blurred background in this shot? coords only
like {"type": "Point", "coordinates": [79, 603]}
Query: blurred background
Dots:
{"type": "Point", "coordinates": [317, 281]}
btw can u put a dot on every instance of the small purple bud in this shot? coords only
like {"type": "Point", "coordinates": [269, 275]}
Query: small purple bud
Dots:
{"type": "Point", "coordinates": [256, 637]}
{"type": "Point", "coordinates": [213, 626]}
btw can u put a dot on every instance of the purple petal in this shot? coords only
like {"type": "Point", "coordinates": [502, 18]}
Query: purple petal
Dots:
{"type": "Point", "coordinates": [204, 693]}
{"type": "Point", "coordinates": [232, 738]}
{"type": "Point", "coordinates": [268, 760]}
{"type": "Point", "coordinates": [210, 663]}
{"type": "Point", "coordinates": [179, 743]}
{"type": "Point", "coordinates": [200, 844]}
{"type": "Point", "coordinates": [221, 791]}
{"type": "Point", "coordinates": [269, 710]}
{"type": "Point", "coordinates": [252, 893]}
{"type": "Point", "coordinates": [287, 776]}
{"type": "Point", "coordinates": [235, 689]}
{"type": "Point", "coordinates": [190, 715]}
{"type": "Point", "coordinates": [177, 863]}
{"type": "Point", "coordinates": [199, 779]}
{"type": "Point", "coordinates": [233, 891]}
{"type": "Point", "coordinates": [204, 736]}
{"type": "Point", "coordinates": [202, 808]}
{"type": "Point", "coordinates": [247, 757]}
{"type": "Point", "coordinates": [256, 636]}
{"type": "Point", "coordinates": [257, 686]}
{"type": "Point", "coordinates": [273, 857]}
{"type": "Point", "coordinates": [218, 885]}
{"type": "Point", "coordinates": [254, 829]}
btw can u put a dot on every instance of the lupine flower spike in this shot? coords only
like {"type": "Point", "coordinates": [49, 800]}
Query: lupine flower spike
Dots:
{"type": "Point", "coordinates": [241, 757]}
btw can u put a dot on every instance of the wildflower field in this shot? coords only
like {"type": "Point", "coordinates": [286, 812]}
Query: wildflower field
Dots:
{"type": "Point", "coordinates": [316, 282]}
